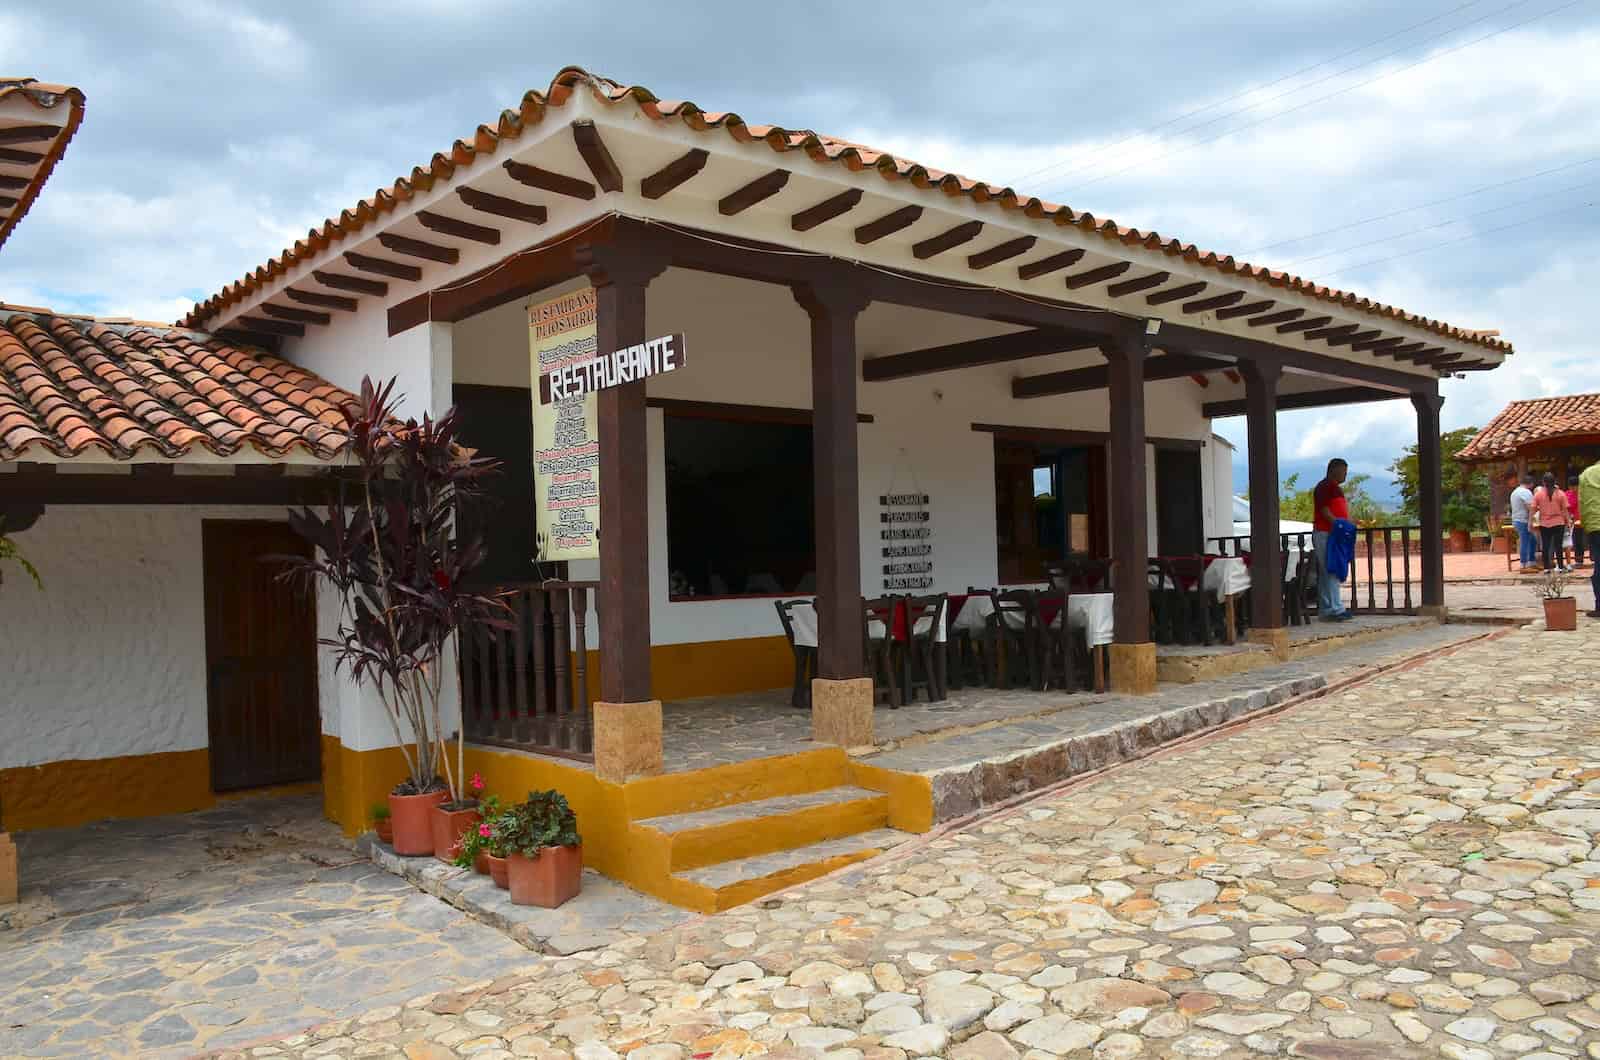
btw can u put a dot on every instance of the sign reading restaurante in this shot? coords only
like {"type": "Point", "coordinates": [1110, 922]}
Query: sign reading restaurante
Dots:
{"type": "Point", "coordinates": [574, 378]}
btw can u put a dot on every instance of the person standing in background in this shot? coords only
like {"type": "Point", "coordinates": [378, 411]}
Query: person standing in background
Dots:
{"type": "Point", "coordinates": [1521, 514]}
{"type": "Point", "coordinates": [1589, 497]}
{"type": "Point", "coordinates": [1575, 509]}
{"type": "Point", "coordinates": [1328, 503]}
{"type": "Point", "coordinates": [1550, 512]}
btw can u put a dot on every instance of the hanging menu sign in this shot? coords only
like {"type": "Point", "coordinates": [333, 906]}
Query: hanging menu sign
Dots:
{"type": "Point", "coordinates": [566, 440]}
{"type": "Point", "coordinates": [906, 541]}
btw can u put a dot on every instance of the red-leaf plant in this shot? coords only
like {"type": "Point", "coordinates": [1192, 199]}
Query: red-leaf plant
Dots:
{"type": "Point", "coordinates": [389, 547]}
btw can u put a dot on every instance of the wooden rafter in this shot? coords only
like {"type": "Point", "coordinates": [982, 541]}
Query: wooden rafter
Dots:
{"type": "Point", "coordinates": [417, 248]}
{"type": "Point", "coordinates": [888, 224]}
{"type": "Point", "coordinates": [1329, 333]}
{"type": "Point", "coordinates": [826, 210]}
{"type": "Point", "coordinates": [1304, 324]}
{"type": "Point", "coordinates": [455, 226]}
{"type": "Point", "coordinates": [758, 190]}
{"type": "Point", "coordinates": [1314, 399]}
{"type": "Point", "coordinates": [21, 158]}
{"type": "Point", "coordinates": [1377, 345]}
{"type": "Point", "coordinates": [301, 316]}
{"type": "Point", "coordinates": [1216, 301]}
{"type": "Point", "coordinates": [1353, 337]}
{"type": "Point", "coordinates": [952, 237]}
{"type": "Point", "coordinates": [1275, 318]}
{"type": "Point", "coordinates": [268, 326]}
{"type": "Point", "coordinates": [29, 134]}
{"type": "Point", "coordinates": [326, 301]}
{"type": "Point", "coordinates": [674, 173]}
{"type": "Point", "coordinates": [1245, 310]}
{"type": "Point", "coordinates": [596, 156]}
{"type": "Point", "coordinates": [500, 206]}
{"type": "Point", "coordinates": [1172, 294]}
{"type": "Point", "coordinates": [1089, 277]}
{"type": "Point", "coordinates": [14, 183]}
{"type": "Point", "coordinates": [1137, 284]}
{"type": "Point", "coordinates": [1097, 377]}
{"type": "Point", "coordinates": [1001, 252]}
{"type": "Point", "coordinates": [360, 284]}
{"type": "Point", "coordinates": [1044, 266]}
{"type": "Point", "coordinates": [545, 180]}
{"type": "Point", "coordinates": [996, 349]}
{"type": "Point", "coordinates": [1402, 352]}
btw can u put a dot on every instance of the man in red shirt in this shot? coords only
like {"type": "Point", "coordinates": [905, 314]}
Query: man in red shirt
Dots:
{"type": "Point", "coordinates": [1328, 504]}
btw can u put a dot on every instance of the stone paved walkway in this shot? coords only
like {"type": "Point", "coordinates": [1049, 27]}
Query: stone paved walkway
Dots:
{"type": "Point", "coordinates": [1404, 868]}
{"type": "Point", "coordinates": [253, 920]}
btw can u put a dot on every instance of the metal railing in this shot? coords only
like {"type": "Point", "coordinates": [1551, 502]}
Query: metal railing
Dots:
{"type": "Point", "coordinates": [1371, 542]}
{"type": "Point", "coordinates": [527, 686]}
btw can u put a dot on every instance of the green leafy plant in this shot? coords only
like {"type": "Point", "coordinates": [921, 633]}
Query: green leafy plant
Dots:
{"type": "Point", "coordinates": [380, 812]}
{"type": "Point", "coordinates": [9, 553]}
{"type": "Point", "coordinates": [475, 841]}
{"type": "Point", "coordinates": [1464, 488]}
{"type": "Point", "coordinates": [542, 820]}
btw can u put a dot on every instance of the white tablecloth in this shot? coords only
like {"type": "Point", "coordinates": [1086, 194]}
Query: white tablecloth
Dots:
{"type": "Point", "coordinates": [1090, 612]}
{"type": "Point", "coordinates": [1228, 575]}
{"type": "Point", "coordinates": [804, 619]}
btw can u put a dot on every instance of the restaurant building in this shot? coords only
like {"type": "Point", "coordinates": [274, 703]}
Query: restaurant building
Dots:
{"type": "Point", "coordinates": [1559, 435]}
{"type": "Point", "coordinates": [860, 336]}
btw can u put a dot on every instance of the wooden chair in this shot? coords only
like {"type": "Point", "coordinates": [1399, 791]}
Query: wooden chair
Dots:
{"type": "Point", "coordinates": [1300, 591]}
{"type": "Point", "coordinates": [972, 655]}
{"type": "Point", "coordinates": [1016, 635]}
{"type": "Point", "coordinates": [1058, 657]}
{"type": "Point", "coordinates": [1086, 575]}
{"type": "Point", "coordinates": [805, 656]}
{"type": "Point", "coordinates": [1184, 606]}
{"type": "Point", "coordinates": [880, 652]}
{"type": "Point", "coordinates": [923, 650]}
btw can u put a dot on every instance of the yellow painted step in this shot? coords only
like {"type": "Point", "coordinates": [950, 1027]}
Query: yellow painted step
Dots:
{"type": "Point", "coordinates": [715, 888]}
{"type": "Point", "coordinates": [767, 826]}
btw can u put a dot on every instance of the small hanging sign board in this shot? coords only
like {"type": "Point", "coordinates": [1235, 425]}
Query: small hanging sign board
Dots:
{"type": "Point", "coordinates": [631, 363]}
{"type": "Point", "coordinates": [906, 536]}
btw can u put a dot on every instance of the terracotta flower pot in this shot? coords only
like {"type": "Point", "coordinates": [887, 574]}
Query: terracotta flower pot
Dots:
{"type": "Point", "coordinates": [1460, 541]}
{"type": "Point", "coordinates": [480, 864]}
{"type": "Point", "coordinates": [548, 880]}
{"type": "Point", "coordinates": [385, 830]}
{"type": "Point", "coordinates": [448, 828]}
{"type": "Point", "coordinates": [1561, 613]}
{"type": "Point", "coordinates": [498, 871]}
{"type": "Point", "coordinates": [411, 817]}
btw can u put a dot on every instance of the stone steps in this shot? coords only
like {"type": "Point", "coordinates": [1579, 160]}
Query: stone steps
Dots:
{"type": "Point", "coordinates": [763, 826]}
{"type": "Point", "coordinates": [714, 888]}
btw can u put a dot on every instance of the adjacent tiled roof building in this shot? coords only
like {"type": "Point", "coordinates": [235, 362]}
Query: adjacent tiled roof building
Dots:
{"type": "Point", "coordinates": [36, 122]}
{"type": "Point", "coordinates": [1537, 420]}
{"type": "Point", "coordinates": [72, 387]}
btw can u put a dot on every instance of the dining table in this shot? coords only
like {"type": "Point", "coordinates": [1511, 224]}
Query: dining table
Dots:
{"type": "Point", "coordinates": [1093, 613]}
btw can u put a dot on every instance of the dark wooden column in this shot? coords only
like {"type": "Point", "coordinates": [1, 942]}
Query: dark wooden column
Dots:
{"type": "Point", "coordinates": [833, 307]}
{"type": "Point", "coordinates": [1266, 547]}
{"type": "Point", "coordinates": [620, 275]}
{"type": "Point", "coordinates": [1125, 359]}
{"type": "Point", "coordinates": [1430, 498]}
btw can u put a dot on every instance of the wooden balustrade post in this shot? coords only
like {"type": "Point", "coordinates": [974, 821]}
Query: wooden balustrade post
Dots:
{"type": "Point", "coordinates": [1430, 499]}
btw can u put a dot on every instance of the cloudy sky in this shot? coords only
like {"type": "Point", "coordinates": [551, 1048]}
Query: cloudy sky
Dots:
{"type": "Point", "coordinates": [1439, 154]}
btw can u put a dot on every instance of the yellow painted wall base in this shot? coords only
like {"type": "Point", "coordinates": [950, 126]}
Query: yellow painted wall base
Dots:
{"type": "Point", "coordinates": [77, 791]}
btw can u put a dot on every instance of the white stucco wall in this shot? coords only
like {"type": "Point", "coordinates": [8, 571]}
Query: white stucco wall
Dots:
{"type": "Point", "coordinates": [110, 659]}
{"type": "Point", "coordinates": [749, 343]}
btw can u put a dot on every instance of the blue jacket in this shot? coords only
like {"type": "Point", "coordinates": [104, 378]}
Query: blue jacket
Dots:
{"type": "Point", "coordinates": [1341, 548]}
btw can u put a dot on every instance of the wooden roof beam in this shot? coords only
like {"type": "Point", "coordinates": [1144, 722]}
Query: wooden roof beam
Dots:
{"type": "Point", "coordinates": [1279, 317]}
{"type": "Point", "coordinates": [1353, 337]}
{"type": "Point", "coordinates": [1172, 294]}
{"type": "Point", "coordinates": [545, 180]}
{"type": "Point", "coordinates": [997, 349]}
{"type": "Point", "coordinates": [596, 156]}
{"type": "Point", "coordinates": [1244, 310]}
{"type": "Point", "coordinates": [953, 237]}
{"type": "Point", "coordinates": [13, 183]}
{"type": "Point", "coordinates": [29, 134]}
{"type": "Point", "coordinates": [826, 210]}
{"type": "Point", "coordinates": [674, 173]}
{"type": "Point", "coordinates": [301, 316]}
{"type": "Point", "coordinates": [359, 284]}
{"type": "Point", "coordinates": [758, 190]}
{"type": "Point", "coordinates": [500, 206]}
{"type": "Point", "coordinates": [271, 327]}
{"type": "Point", "coordinates": [21, 158]}
{"type": "Point", "coordinates": [1304, 324]}
{"type": "Point", "coordinates": [1376, 345]}
{"type": "Point", "coordinates": [1098, 377]}
{"type": "Point", "coordinates": [1044, 266]}
{"type": "Point", "coordinates": [1001, 252]}
{"type": "Point", "coordinates": [454, 226]}
{"type": "Point", "coordinates": [1089, 277]}
{"type": "Point", "coordinates": [1137, 284]}
{"type": "Point", "coordinates": [1214, 302]}
{"type": "Point", "coordinates": [417, 248]}
{"type": "Point", "coordinates": [326, 301]}
{"type": "Point", "coordinates": [1315, 399]}
{"type": "Point", "coordinates": [1330, 332]}
{"type": "Point", "coordinates": [888, 224]}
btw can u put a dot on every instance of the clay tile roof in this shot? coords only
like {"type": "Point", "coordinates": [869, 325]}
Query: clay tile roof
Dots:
{"type": "Point", "coordinates": [486, 140]}
{"type": "Point", "coordinates": [72, 385]}
{"type": "Point", "coordinates": [25, 164]}
{"type": "Point", "coordinates": [1523, 423]}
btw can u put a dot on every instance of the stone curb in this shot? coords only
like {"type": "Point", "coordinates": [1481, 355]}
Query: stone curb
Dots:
{"type": "Point", "coordinates": [962, 790]}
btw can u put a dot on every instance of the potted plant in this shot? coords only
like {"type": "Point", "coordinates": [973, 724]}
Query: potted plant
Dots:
{"type": "Point", "coordinates": [472, 849]}
{"type": "Point", "coordinates": [454, 820]}
{"type": "Point", "coordinates": [382, 824]}
{"type": "Point", "coordinates": [1460, 520]}
{"type": "Point", "coordinates": [544, 853]}
{"type": "Point", "coordinates": [388, 546]}
{"type": "Point", "coordinates": [494, 852]}
{"type": "Point", "coordinates": [1560, 610]}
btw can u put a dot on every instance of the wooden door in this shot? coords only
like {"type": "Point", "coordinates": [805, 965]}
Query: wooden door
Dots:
{"type": "Point", "coordinates": [1180, 512]}
{"type": "Point", "coordinates": [261, 659]}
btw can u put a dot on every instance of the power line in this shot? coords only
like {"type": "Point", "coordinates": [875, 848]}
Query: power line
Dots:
{"type": "Point", "coordinates": [1420, 206]}
{"type": "Point", "coordinates": [1256, 88]}
{"type": "Point", "coordinates": [1331, 95]}
{"type": "Point", "coordinates": [1429, 228]}
{"type": "Point", "coordinates": [1463, 239]}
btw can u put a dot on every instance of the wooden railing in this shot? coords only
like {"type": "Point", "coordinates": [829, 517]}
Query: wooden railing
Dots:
{"type": "Point", "coordinates": [527, 686]}
{"type": "Point", "coordinates": [1391, 544]}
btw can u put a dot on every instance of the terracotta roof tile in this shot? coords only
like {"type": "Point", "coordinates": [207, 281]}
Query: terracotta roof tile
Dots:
{"type": "Point", "coordinates": [1523, 423]}
{"type": "Point", "coordinates": [822, 149]}
{"type": "Point", "coordinates": [45, 98]}
{"type": "Point", "coordinates": [72, 385]}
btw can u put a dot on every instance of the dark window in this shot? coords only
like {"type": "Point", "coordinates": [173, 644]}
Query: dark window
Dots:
{"type": "Point", "coordinates": [1043, 508]}
{"type": "Point", "coordinates": [739, 508]}
{"type": "Point", "coordinates": [495, 420]}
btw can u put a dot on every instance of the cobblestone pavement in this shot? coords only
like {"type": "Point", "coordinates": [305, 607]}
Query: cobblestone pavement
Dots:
{"type": "Point", "coordinates": [1512, 602]}
{"type": "Point", "coordinates": [253, 920]}
{"type": "Point", "coordinates": [1404, 868]}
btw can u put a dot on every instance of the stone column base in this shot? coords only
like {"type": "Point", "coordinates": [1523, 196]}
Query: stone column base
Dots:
{"type": "Point", "coordinates": [1133, 668]}
{"type": "Point", "coordinates": [1276, 639]}
{"type": "Point", "coordinates": [1439, 611]}
{"type": "Point", "coordinates": [841, 711]}
{"type": "Point", "coordinates": [627, 740]}
{"type": "Point", "coordinates": [8, 870]}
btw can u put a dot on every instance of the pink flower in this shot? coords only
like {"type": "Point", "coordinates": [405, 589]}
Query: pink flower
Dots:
{"type": "Point", "coordinates": [483, 830]}
{"type": "Point", "coordinates": [477, 782]}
